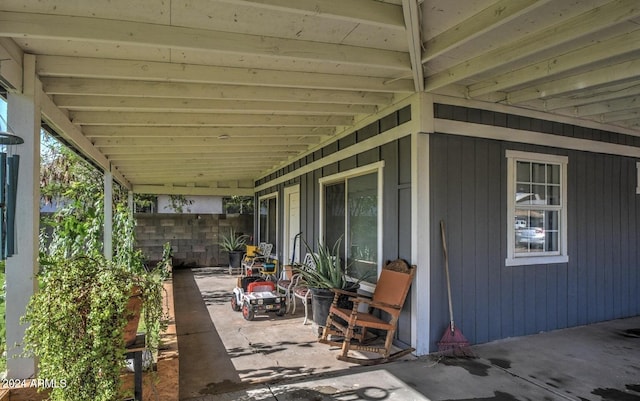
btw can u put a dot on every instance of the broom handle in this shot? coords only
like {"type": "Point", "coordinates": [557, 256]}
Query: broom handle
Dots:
{"type": "Point", "coordinates": [446, 269]}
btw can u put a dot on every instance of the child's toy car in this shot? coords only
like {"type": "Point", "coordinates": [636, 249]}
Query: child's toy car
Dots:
{"type": "Point", "coordinates": [254, 295]}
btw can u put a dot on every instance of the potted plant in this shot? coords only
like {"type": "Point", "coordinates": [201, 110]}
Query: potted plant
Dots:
{"type": "Point", "coordinates": [76, 321]}
{"type": "Point", "coordinates": [326, 274]}
{"type": "Point", "coordinates": [77, 324]}
{"type": "Point", "coordinates": [234, 244]}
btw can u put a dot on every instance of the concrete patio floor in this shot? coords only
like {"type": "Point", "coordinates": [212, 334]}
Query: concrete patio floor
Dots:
{"type": "Point", "coordinates": [223, 357]}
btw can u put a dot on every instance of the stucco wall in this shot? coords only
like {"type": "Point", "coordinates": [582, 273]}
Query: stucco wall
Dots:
{"type": "Point", "coordinates": [194, 238]}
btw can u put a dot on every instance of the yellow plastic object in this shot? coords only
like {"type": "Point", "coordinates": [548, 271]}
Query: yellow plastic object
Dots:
{"type": "Point", "coordinates": [269, 268]}
{"type": "Point", "coordinates": [251, 250]}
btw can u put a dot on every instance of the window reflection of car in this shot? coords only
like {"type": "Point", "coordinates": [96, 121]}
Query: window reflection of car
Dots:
{"type": "Point", "coordinates": [530, 236]}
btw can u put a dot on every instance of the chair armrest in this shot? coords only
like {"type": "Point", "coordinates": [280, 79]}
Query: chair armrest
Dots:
{"type": "Point", "coordinates": [358, 299]}
{"type": "Point", "coordinates": [382, 305]}
{"type": "Point", "coordinates": [296, 278]}
{"type": "Point", "coordinates": [353, 297]}
{"type": "Point", "coordinates": [297, 281]}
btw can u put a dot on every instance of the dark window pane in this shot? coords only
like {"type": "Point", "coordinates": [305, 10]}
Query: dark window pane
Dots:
{"type": "Point", "coordinates": [553, 174]}
{"type": "Point", "coordinates": [538, 173]}
{"type": "Point", "coordinates": [552, 220]}
{"type": "Point", "coordinates": [553, 195]}
{"type": "Point", "coordinates": [334, 217]}
{"type": "Point", "coordinates": [551, 242]}
{"type": "Point", "coordinates": [538, 194]}
{"type": "Point", "coordinates": [363, 226]}
{"type": "Point", "coordinates": [268, 222]}
{"type": "Point", "coordinates": [523, 172]}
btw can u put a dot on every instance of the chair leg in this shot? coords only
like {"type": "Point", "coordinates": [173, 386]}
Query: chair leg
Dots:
{"type": "Point", "coordinates": [325, 333]}
{"type": "Point", "coordinates": [347, 341]}
{"type": "Point", "coordinates": [388, 342]}
{"type": "Point", "coordinates": [306, 310]}
{"type": "Point", "coordinates": [327, 329]}
{"type": "Point", "coordinates": [288, 297]}
{"type": "Point", "coordinates": [293, 304]}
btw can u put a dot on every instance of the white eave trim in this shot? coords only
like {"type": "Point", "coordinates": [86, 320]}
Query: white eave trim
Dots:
{"type": "Point", "coordinates": [532, 137]}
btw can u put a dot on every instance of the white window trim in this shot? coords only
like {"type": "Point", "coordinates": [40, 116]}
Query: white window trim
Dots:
{"type": "Point", "coordinates": [543, 258]}
{"type": "Point", "coordinates": [376, 167]}
{"type": "Point", "coordinates": [286, 245]}
{"type": "Point", "coordinates": [260, 199]}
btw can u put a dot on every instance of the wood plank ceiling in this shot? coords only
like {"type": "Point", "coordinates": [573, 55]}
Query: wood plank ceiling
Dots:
{"type": "Point", "coordinates": [204, 96]}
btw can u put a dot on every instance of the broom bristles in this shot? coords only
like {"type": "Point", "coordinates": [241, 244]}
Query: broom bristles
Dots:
{"type": "Point", "coordinates": [454, 343]}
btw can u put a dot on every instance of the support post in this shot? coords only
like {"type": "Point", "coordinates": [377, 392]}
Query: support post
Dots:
{"type": "Point", "coordinates": [23, 116]}
{"type": "Point", "coordinates": [420, 222]}
{"type": "Point", "coordinates": [130, 203]}
{"type": "Point", "coordinates": [108, 215]}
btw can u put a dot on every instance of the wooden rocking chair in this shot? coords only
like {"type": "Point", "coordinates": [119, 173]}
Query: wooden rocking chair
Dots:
{"type": "Point", "coordinates": [350, 324]}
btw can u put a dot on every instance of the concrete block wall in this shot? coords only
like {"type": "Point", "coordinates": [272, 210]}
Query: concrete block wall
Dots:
{"type": "Point", "coordinates": [194, 237]}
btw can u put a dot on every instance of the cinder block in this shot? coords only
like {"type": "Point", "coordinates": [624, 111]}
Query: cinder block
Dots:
{"type": "Point", "coordinates": [175, 229]}
{"type": "Point", "coordinates": [199, 248]}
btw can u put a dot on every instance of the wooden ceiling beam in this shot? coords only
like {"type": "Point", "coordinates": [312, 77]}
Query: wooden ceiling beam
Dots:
{"type": "Point", "coordinates": [490, 18]}
{"type": "Point", "coordinates": [240, 150]}
{"type": "Point", "coordinates": [193, 177]}
{"type": "Point", "coordinates": [188, 164]}
{"type": "Point", "coordinates": [618, 116]}
{"type": "Point", "coordinates": [95, 131]}
{"type": "Point", "coordinates": [627, 103]}
{"type": "Point", "coordinates": [140, 104]}
{"type": "Point", "coordinates": [86, 67]}
{"type": "Point", "coordinates": [76, 28]}
{"type": "Point", "coordinates": [594, 96]}
{"type": "Point", "coordinates": [116, 155]}
{"type": "Point", "coordinates": [411, 12]}
{"type": "Point", "coordinates": [175, 90]}
{"type": "Point", "coordinates": [591, 21]}
{"type": "Point", "coordinates": [366, 12]}
{"type": "Point", "coordinates": [184, 142]}
{"type": "Point", "coordinates": [203, 119]}
{"type": "Point", "coordinates": [200, 172]}
{"type": "Point", "coordinates": [604, 76]}
{"type": "Point", "coordinates": [633, 124]}
{"type": "Point", "coordinates": [626, 44]}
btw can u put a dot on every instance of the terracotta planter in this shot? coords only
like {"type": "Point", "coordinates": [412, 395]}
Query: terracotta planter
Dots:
{"type": "Point", "coordinates": [134, 310]}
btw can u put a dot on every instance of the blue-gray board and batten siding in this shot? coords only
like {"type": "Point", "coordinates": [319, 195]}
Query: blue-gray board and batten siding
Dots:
{"type": "Point", "coordinates": [397, 192]}
{"type": "Point", "coordinates": [468, 191]}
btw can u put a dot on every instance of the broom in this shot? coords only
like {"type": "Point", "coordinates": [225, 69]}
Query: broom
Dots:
{"type": "Point", "coordinates": [453, 342]}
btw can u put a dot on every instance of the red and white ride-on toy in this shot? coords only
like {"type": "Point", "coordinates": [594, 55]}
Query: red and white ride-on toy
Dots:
{"type": "Point", "coordinates": [254, 295]}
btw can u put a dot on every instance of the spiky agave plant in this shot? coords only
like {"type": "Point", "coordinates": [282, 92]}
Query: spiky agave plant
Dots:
{"type": "Point", "coordinates": [327, 272]}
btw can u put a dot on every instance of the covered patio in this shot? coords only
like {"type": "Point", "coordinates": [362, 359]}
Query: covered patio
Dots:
{"type": "Point", "coordinates": [287, 100]}
{"type": "Point", "coordinates": [223, 357]}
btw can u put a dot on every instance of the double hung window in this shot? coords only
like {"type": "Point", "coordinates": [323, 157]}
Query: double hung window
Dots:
{"type": "Point", "coordinates": [537, 214]}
